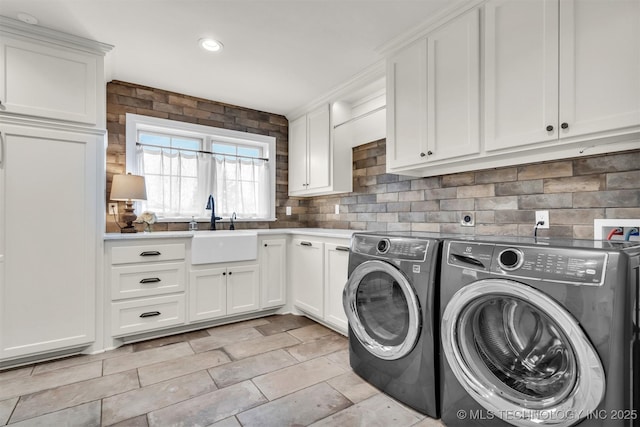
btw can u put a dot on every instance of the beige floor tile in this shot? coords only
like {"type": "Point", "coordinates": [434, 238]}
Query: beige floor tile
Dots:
{"type": "Point", "coordinates": [279, 383]}
{"type": "Point", "coordinates": [15, 373]}
{"type": "Point", "coordinates": [53, 400]}
{"type": "Point", "coordinates": [220, 338]}
{"type": "Point", "coordinates": [146, 357]}
{"type": "Point", "coordinates": [227, 422]}
{"type": "Point", "coordinates": [141, 401]}
{"type": "Point", "coordinates": [341, 358]}
{"type": "Point", "coordinates": [80, 360]}
{"type": "Point", "coordinates": [86, 415]}
{"type": "Point", "coordinates": [429, 422]}
{"type": "Point", "coordinates": [209, 408]}
{"type": "Point", "coordinates": [171, 339]}
{"type": "Point", "coordinates": [318, 347]}
{"type": "Point", "coordinates": [140, 421]}
{"type": "Point", "coordinates": [353, 387]}
{"type": "Point", "coordinates": [260, 345]}
{"type": "Point", "coordinates": [240, 325]}
{"type": "Point", "coordinates": [296, 409]}
{"type": "Point", "coordinates": [27, 385]}
{"type": "Point", "coordinates": [6, 408]}
{"type": "Point", "coordinates": [311, 332]}
{"type": "Point", "coordinates": [174, 368]}
{"type": "Point", "coordinates": [245, 369]}
{"type": "Point", "coordinates": [283, 323]}
{"type": "Point", "coordinates": [377, 411]}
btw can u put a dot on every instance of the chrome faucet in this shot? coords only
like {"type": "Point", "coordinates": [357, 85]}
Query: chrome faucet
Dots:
{"type": "Point", "coordinates": [233, 218]}
{"type": "Point", "coordinates": [211, 205]}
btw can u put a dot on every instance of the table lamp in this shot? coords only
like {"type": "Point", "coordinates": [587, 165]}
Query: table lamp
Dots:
{"type": "Point", "coordinates": [128, 188]}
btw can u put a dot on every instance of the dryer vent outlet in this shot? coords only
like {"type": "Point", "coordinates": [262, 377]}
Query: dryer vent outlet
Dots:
{"type": "Point", "coordinates": [467, 219]}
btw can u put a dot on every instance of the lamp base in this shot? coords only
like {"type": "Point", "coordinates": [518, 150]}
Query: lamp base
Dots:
{"type": "Point", "coordinates": [128, 216]}
{"type": "Point", "coordinates": [128, 229]}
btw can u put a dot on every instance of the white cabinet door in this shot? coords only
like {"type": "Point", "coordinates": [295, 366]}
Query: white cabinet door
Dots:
{"type": "Point", "coordinates": [48, 238]}
{"type": "Point", "coordinates": [599, 66]}
{"type": "Point", "coordinates": [243, 289]}
{"type": "Point", "coordinates": [298, 160]}
{"type": "Point", "coordinates": [273, 273]}
{"type": "Point", "coordinates": [46, 81]}
{"type": "Point", "coordinates": [306, 270]}
{"type": "Point", "coordinates": [453, 89]}
{"type": "Point", "coordinates": [407, 106]}
{"type": "Point", "coordinates": [521, 73]}
{"type": "Point", "coordinates": [319, 148]}
{"type": "Point", "coordinates": [336, 273]}
{"type": "Point", "coordinates": [207, 294]}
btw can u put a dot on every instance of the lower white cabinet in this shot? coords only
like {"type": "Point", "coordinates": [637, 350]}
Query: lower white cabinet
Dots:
{"type": "Point", "coordinates": [336, 268]}
{"type": "Point", "coordinates": [307, 275]}
{"type": "Point", "coordinates": [220, 290]}
{"type": "Point", "coordinates": [144, 314]}
{"type": "Point", "coordinates": [273, 272]}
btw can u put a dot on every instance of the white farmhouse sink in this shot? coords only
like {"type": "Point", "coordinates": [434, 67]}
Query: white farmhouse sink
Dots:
{"type": "Point", "coordinates": [210, 247]}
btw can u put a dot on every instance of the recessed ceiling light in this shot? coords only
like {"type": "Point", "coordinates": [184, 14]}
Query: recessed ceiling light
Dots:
{"type": "Point", "coordinates": [210, 45]}
{"type": "Point", "coordinates": [25, 17]}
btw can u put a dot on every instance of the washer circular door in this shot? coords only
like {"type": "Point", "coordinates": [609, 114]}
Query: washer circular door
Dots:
{"type": "Point", "coordinates": [521, 355]}
{"type": "Point", "coordinates": [382, 309]}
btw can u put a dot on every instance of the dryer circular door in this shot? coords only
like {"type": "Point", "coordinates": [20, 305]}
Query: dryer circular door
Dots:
{"type": "Point", "coordinates": [520, 354]}
{"type": "Point", "coordinates": [382, 309]}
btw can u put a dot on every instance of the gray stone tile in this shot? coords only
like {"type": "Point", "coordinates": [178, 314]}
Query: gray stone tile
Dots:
{"type": "Point", "coordinates": [535, 186]}
{"type": "Point", "coordinates": [457, 204]}
{"type": "Point", "coordinates": [67, 396]}
{"type": "Point", "coordinates": [495, 203]}
{"type": "Point", "coordinates": [478, 190]}
{"type": "Point", "coordinates": [26, 385]}
{"type": "Point", "coordinates": [545, 201]}
{"type": "Point", "coordinates": [610, 163]}
{"type": "Point", "coordinates": [209, 408]}
{"type": "Point", "coordinates": [617, 198]}
{"type": "Point", "coordinates": [174, 368]}
{"type": "Point", "coordinates": [574, 216]}
{"type": "Point", "coordinates": [146, 357]}
{"type": "Point", "coordinates": [622, 180]}
{"type": "Point", "coordinates": [263, 344]}
{"type": "Point", "coordinates": [80, 360]}
{"type": "Point", "coordinates": [240, 325]}
{"type": "Point", "coordinates": [318, 347]}
{"type": "Point", "coordinates": [429, 422]}
{"type": "Point", "coordinates": [574, 184]}
{"type": "Point", "coordinates": [341, 358]}
{"type": "Point", "coordinates": [235, 372]}
{"type": "Point", "coordinates": [296, 409]}
{"type": "Point", "coordinates": [15, 373]}
{"type": "Point", "coordinates": [279, 383]}
{"type": "Point", "coordinates": [353, 387]}
{"type": "Point", "coordinates": [141, 401]}
{"type": "Point", "coordinates": [86, 415]}
{"type": "Point", "coordinates": [220, 338]}
{"type": "Point", "coordinates": [227, 422]}
{"type": "Point", "coordinates": [140, 421]}
{"type": "Point", "coordinates": [545, 170]}
{"type": "Point", "coordinates": [311, 332]}
{"type": "Point", "coordinates": [514, 217]}
{"type": "Point", "coordinates": [171, 339]}
{"type": "Point", "coordinates": [6, 408]}
{"type": "Point", "coordinates": [379, 410]}
{"type": "Point", "coordinates": [458, 179]}
{"type": "Point", "coordinates": [496, 175]}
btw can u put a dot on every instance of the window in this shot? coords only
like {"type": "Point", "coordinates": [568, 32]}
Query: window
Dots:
{"type": "Point", "coordinates": [184, 163]}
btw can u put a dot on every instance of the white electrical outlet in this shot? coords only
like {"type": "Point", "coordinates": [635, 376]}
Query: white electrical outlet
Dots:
{"type": "Point", "coordinates": [337, 210]}
{"type": "Point", "coordinates": [542, 216]}
{"type": "Point", "coordinates": [288, 210]}
{"type": "Point", "coordinates": [113, 208]}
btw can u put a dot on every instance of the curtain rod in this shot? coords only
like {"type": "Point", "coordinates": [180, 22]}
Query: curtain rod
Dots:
{"type": "Point", "coordinates": [202, 151]}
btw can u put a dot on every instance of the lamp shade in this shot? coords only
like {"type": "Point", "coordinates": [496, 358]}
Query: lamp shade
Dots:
{"type": "Point", "coordinates": [128, 187]}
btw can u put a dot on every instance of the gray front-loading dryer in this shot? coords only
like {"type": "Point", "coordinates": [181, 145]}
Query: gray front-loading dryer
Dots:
{"type": "Point", "coordinates": [539, 333]}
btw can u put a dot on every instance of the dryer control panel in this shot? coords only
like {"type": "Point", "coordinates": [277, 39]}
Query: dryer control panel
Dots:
{"type": "Point", "coordinates": [399, 248]}
{"type": "Point", "coordinates": [562, 265]}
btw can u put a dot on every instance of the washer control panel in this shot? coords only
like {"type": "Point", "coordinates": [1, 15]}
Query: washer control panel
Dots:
{"type": "Point", "coordinates": [399, 248]}
{"type": "Point", "coordinates": [563, 265]}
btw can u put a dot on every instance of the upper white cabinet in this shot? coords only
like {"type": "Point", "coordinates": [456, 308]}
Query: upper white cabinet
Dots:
{"type": "Point", "coordinates": [433, 89]}
{"type": "Point", "coordinates": [556, 70]}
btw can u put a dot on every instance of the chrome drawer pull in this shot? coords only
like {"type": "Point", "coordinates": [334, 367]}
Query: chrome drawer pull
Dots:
{"type": "Point", "coordinates": [306, 244]}
{"type": "Point", "coordinates": [342, 248]}
{"type": "Point", "coordinates": [150, 253]}
{"type": "Point", "coordinates": [150, 280]}
{"type": "Point", "coordinates": [150, 314]}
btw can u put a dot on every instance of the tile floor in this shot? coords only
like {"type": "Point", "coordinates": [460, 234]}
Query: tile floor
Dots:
{"type": "Point", "coordinates": [274, 371]}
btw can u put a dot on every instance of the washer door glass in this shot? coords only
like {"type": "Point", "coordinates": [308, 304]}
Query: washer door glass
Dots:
{"type": "Point", "coordinates": [520, 354]}
{"type": "Point", "coordinates": [382, 309]}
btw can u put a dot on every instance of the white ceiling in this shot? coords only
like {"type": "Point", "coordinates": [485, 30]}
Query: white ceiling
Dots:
{"type": "Point", "coordinates": [278, 54]}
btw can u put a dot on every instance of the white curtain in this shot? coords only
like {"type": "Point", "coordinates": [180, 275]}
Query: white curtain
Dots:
{"type": "Point", "coordinates": [179, 184]}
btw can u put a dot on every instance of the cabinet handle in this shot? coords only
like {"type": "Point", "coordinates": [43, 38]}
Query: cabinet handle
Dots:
{"type": "Point", "coordinates": [549, 128]}
{"type": "Point", "coordinates": [306, 244]}
{"type": "Point", "coordinates": [150, 253]}
{"type": "Point", "coordinates": [565, 125]}
{"type": "Point", "coordinates": [224, 273]}
{"type": "Point", "coordinates": [265, 245]}
{"type": "Point", "coordinates": [151, 280]}
{"type": "Point", "coordinates": [342, 248]}
{"type": "Point", "coordinates": [150, 314]}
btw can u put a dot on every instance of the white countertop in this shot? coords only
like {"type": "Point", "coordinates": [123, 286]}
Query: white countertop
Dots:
{"type": "Point", "coordinates": [320, 232]}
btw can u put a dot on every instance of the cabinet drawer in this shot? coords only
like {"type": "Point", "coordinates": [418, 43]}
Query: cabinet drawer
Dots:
{"type": "Point", "coordinates": [130, 317]}
{"type": "Point", "coordinates": [147, 253]}
{"type": "Point", "coordinates": [147, 280]}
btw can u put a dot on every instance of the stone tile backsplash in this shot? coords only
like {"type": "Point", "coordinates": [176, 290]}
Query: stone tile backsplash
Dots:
{"type": "Point", "coordinates": [504, 200]}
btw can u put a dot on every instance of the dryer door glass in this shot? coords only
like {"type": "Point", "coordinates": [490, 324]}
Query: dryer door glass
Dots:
{"type": "Point", "coordinates": [520, 354]}
{"type": "Point", "coordinates": [382, 309]}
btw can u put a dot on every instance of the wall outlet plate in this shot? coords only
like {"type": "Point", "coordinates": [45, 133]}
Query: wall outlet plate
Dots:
{"type": "Point", "coordinates": [467, 219]}
{"type": "Point", "coordinates": [287, 210]}
{"type": "Point", "coordinates": [113, 209]}
{"type": "Point", "coordinates": [542, 216]}
{"type": "Point", "coordinates": [337, 210]}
